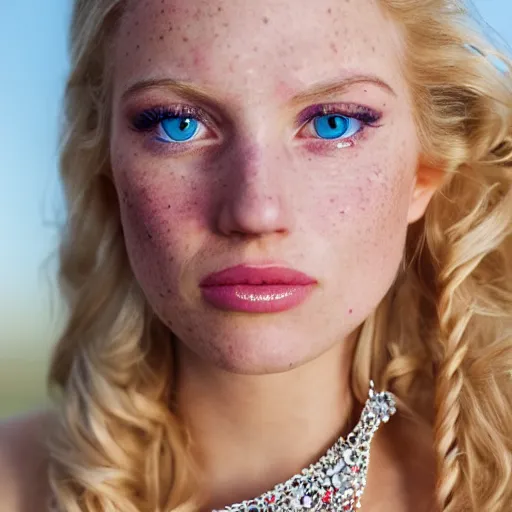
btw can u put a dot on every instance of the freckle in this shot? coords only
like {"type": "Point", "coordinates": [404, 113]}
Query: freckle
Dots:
{"type": "Point", "coordinates": [138, 47]}
{"type": "Point", "coordinates": [342, 212]}
{"type": "Point", "coordinates": [265, 20]}
{"type": "Point", "coordinates": [329, 11]}
{"type": "Point", "coordinates": [332, 200]}
{"type": "Point", "coordinates": [136, 23]}
{"type": "Point", "coordinates": [336, 32]}
{"type": "Point", "coordinates": [373, 49]}
{"type": "Point", "coordinates": [150, 59]}
{"type": "Point", "coordinates": [161, 295]}
{"type": "Point", "coordinates": [333, 48]}
{"type": "Point", "coordinates": [225, 24]}
{"type": "Point", "coordinates": [185, 39]}
{"type": "Point", "coordinates": [350, 311]}
{"type": "Point", "coordinates": [255, 49]}
{"type": "Point", "coordinates": [162, 11]}
{"type": "Point", "coordinates": [161, 38]}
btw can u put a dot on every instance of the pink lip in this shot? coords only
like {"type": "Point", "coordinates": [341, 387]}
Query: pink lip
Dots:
{"type": "Point", "coordinates": [257, 289]}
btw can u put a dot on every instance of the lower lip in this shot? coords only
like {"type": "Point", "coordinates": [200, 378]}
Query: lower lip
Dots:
{"type": "Point", "coordinates": [256, 298]}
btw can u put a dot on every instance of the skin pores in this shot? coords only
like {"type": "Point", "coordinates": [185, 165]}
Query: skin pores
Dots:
{"type": "Point", "coordinates": [254, 185]}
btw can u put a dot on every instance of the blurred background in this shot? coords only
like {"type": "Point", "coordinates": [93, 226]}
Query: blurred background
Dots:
{"type": "Point", "coordinates": [33, 68]}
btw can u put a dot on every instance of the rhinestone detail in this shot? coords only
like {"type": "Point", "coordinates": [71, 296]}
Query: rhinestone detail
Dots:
{"type": "Point", "coordinates": [337, 481]}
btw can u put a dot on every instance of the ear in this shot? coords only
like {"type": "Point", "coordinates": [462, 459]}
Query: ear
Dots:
{"type": "Point", "coordinates": [429, 178]}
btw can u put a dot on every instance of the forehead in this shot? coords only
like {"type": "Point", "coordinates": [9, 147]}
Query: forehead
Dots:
{"type": "Point", "coordinates": [241, 45]}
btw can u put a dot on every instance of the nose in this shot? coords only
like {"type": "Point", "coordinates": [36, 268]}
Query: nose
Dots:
{"type": "Point", "coordinates": [256, 198]}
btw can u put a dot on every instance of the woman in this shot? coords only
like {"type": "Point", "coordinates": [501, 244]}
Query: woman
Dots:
{"type": "Point", "coordinates": [287, 222]}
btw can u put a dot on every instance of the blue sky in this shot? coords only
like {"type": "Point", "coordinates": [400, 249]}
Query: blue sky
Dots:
{"type": "Point", "coordinates": [33, 64]}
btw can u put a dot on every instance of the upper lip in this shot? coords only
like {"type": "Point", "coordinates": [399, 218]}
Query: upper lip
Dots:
{"type": "Point", "coordinates": [246, 274]}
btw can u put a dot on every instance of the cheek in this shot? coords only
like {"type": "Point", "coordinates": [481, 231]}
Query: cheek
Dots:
{"type": "Point", "coordinates": [364, 221]}
{"type": "Point", "coordinates": [373, 195]}
{"type": "Point", "coordinates": [162, 215]}
{"type": "Point", "coordinates": [363, 209]}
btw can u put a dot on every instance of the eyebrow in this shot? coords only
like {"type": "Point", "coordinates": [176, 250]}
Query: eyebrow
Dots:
{"type": "Point", "coordinates": [184, 88]}
{"type": "Point", "coordinates": [200, 94]}
{"type": "Point", "coordinates": [336, 86]}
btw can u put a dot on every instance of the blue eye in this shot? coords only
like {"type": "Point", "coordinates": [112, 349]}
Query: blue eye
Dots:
{"type": "Point", "coordinates": [172, 125]}
{"type": "Point", "coordinates": [177, 124]}
{"type": "Point", "coordinates": [179, 129]}
{"type": "Point", "coordinates": [335, 126]}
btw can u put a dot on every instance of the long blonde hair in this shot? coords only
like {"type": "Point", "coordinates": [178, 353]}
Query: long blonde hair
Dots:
{"type": "Point", "coordinates": [443, 331]}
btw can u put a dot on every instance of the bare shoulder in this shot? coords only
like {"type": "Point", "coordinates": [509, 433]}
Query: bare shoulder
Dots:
{"type": "Point", "coordinates": [24, 462]}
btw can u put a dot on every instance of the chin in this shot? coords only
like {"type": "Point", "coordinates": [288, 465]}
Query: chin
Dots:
{"type": "Point", "coordinates": [258, 350]}
{"type": "Point", "coordinates": [260, 363]}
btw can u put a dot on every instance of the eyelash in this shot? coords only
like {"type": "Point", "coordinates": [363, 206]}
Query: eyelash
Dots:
{"type": "Point", "coordinates": [150, 119]}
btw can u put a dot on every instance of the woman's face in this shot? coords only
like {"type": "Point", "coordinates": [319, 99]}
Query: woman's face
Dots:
{"type": "Point", "coordinates": [296, 147]}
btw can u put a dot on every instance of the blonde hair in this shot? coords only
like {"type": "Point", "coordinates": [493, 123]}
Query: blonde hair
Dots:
{"type": "Point", "coordinates": [441, 339]}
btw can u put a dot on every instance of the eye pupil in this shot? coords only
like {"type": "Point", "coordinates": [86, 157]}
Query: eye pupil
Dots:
{"type": "Point", "coordinates": [333, 122]}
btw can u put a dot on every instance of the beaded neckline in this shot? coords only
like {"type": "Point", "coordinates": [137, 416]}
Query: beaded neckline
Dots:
{"type": "Point", "coordinates": [337, 481]}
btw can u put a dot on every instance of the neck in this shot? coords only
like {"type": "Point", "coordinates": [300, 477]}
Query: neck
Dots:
{"type": "Point", "coordinates": [251, 432]}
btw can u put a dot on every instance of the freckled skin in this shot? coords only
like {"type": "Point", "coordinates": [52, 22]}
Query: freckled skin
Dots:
{"type": "Point", "coordinates": [250, 191]}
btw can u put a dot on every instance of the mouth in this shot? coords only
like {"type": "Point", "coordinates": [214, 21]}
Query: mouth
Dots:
{"type": "Point", "coordinates": [251, 289]}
